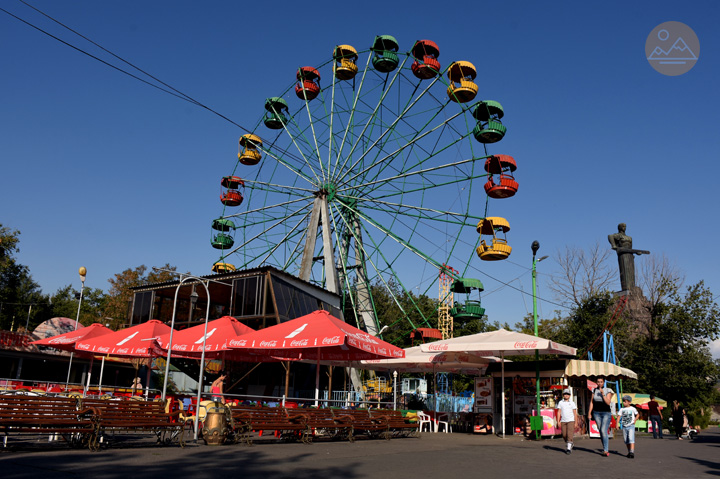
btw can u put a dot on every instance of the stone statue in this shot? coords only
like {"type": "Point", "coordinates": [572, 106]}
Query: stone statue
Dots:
{"type": "Point", "coordinates": [622, 244]}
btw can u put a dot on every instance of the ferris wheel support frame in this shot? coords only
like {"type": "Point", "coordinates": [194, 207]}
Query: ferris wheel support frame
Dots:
{"type": "Point", "coordinates": [319, 218]}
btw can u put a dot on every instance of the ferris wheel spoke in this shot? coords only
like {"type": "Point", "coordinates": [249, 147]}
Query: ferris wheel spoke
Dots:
{"type": "Point", "coordinates": [285, 163]}
{"type": "Point", "coordinates": [422, 173]}
{"type": "Point", "coordinates": [390, 128]}
{"type": "Point", "coordinates": [368, 256]}
{"type": "Point", "coordinates": [351, 118]}
{"type": "Point", "coordinates": [290, 234]}
{"type": "Point", "coordinates": [423, 213]}
{"type": "Point", "coordinates": [275, 224]}
{"type": "Point", "coordinates": [390, 270]}
{"type": "Point", "coordinates": [276, 188]}
{"type": "Point", "coordinates": [314, 138]}
{"type": "Point", "coordinates": [267, 208]}
{"type": "Point", "coordinates": [372, 116]}
{"type": "Point", "coordinates": [423, 225]}
{"type": "Point", "coordinates": [411, 143]}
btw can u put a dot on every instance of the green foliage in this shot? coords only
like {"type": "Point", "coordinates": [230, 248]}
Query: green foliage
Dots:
{"type": "Point", "coordinates": [119, 295]}
{"type": "Point", "coordinates": [18, 291]}
{"type": "Point", "coordinates": [64, 303]}
{"type": "Point", "coordinates": [674, 360]}
{"type": "Point", "coordinates": [402, 311]}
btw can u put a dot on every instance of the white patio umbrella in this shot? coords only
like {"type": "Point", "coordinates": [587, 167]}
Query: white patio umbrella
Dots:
{"type": "Point", "coordinates": [500, 343]}
{"type": "Point", "coordinates": [416, 361]}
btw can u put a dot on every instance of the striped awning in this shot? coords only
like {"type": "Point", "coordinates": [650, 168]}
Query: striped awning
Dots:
{"type": "Point", "coordinates": [580, 368]}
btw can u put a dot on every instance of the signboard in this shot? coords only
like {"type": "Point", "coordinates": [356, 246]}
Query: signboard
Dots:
{"type": "Point", "coordinates": [595, 432]}
{"type": "Point", "coordinates": [483, 395]}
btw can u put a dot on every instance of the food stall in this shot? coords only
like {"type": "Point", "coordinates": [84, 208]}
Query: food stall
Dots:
{"type": "Point", "coordinates": [482, 408]}
{"type": "Point", "coordinates": [555, 375]}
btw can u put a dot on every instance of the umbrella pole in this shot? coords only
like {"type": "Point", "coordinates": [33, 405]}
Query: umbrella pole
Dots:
{"type": "Point", "coordinates": [287, 377]}
{"type": "Point", "coordinates": [87, 384]}
{"type": "Point", "coordinates": [147, 377]}
{"type": "Point", "coordinates": [330, 369]}
{"type": "Point", "coordinates": [317, 379]}
{"type": "Point", "coordinates": [102, 370]}
{"type": "Point", "coordinates": [502, 388]}
{"type": "Point", "coordinates": [137, 366]}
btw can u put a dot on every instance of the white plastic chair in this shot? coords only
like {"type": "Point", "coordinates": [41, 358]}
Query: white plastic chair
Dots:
{"type": "Point", "coordinates": [445, 423]}
{"type": "Point", "coordinates": [424, 419]}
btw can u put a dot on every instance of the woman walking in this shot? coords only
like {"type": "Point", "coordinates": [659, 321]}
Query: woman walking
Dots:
{"type": "Point", "coordinates": [678, 414]}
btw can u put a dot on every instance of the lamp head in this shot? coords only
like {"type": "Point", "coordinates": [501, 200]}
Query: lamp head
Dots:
{"type": "Point", "coordinates": [194, 298]}
{"type": "Point", "coordinates": [82, 272]}
{"type": "Point", "coordinates": [535, 247]}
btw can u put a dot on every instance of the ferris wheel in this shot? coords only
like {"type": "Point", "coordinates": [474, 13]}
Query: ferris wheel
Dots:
{"type": "Point", "coordinates": [371, 169]}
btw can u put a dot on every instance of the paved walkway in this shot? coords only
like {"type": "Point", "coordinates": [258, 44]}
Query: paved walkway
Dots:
{"type": "Point", "coordinates": [430, 456]}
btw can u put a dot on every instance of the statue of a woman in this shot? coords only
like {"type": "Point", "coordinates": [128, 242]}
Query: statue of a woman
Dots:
{"type": "Point", "coordinates": [622, 244]}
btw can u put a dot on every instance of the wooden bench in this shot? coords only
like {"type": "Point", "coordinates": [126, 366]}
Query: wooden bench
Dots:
{"type": "Point", "coordinates": [136, 416]}
{"type": "Point", "coordinates": [246, 419]}
{"type": "Point", "coordinates": [32, 415]}
{"type": "Point", "coordinates": [365, 423]}
{"type": "Point", "coordinates": [398, 425]}
{"type": "Point", "coordinates": [332, 423]}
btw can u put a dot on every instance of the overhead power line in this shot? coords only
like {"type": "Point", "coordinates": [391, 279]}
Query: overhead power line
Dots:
{"type": "Point", "coordinates": [169, 90]}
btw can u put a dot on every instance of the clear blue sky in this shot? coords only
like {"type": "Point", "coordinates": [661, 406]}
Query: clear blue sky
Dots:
{"type": "Point", "coordinates": [102, 171]}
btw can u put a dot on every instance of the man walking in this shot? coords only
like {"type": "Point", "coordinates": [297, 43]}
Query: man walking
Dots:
{"type": "Point", "coordinates": [567, 417]}
{"type": "Point", "coordinates": [600, 411]}
{"type": "Point", "coordinates": [655, 417]}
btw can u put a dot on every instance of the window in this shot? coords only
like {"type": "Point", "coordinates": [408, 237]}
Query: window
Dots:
{"type": "Point", "coordinates": [248, 296]}
{"type": "Point", "coordinates": [141, 307]}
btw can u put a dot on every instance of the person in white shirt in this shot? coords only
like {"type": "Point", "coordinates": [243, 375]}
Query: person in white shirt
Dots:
{"type": "Point", "coordinates": [628, 416]}
{"type": "Point", "coordinates": [566, 413]}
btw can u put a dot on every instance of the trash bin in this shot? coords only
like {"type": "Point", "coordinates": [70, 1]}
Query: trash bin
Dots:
{"type": "Point", "coordinates": [215, 426]}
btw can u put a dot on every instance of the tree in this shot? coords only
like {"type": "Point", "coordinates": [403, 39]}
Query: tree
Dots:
{"type": "Point", "coordinates": [584, 273]}
{"type": "Point", "coordinates": [400, 310]}
{"type": "Point", "coordinates": [674, 361]}
{"type": "Point", "coordinates": [120, 295]}
{"type": "Point", "coordinates": [64, 304]}
{"type": "Point", "coordinates": [18, 291]}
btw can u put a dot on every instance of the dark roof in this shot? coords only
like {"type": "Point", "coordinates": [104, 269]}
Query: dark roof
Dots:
{"type": "Point", "coordinates": [224, 277]}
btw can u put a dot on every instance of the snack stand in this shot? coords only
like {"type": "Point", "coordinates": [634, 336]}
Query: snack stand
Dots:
{"type": "Point", "coordinates": [482, 409]}
{"type": "Point", "coordinates": [520, 394]}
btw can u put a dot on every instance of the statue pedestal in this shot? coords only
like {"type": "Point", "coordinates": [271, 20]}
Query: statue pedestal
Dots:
{"type": "Point", "coordinates": [638, 310]}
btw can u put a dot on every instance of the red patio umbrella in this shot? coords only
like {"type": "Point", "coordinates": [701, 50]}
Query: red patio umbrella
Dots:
{"type": "Point", "coordinates": [317, 336]}
{"type": "Point", "coordinates": [68, 340]}
{"type": "Point", "coordinates": [188, 343]}
{"type": "Point", "coordinates": [139, 341]}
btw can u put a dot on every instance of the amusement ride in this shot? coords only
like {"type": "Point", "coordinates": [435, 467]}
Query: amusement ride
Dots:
{"type": "Point", "coordinates": [367, 172]}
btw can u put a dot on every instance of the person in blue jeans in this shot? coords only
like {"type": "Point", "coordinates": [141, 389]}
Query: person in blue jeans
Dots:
{"type": "Point", "coordinates": [655, 417]}
{"type": "Point", "coordinates": [628, 415]}
{"type": "Point", "coordinates": [600, 410]}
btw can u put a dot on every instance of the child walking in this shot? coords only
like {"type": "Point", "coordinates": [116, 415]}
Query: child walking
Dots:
{"type": "Point", "coordinates": [628, 415]}
{"type": "Point", "coordinates": [567, 417]}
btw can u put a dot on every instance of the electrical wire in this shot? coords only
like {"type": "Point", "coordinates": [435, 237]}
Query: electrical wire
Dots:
{"type": "Point", "coordinates": [169, 90]}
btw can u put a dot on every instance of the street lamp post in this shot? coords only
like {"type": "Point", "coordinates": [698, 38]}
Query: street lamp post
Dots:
{"type": "Point", "coordinates": [172, 329]}
{"type": "Point", "coordinates": [193, 298]}
{"type": "Point", "coordinates": [535, 247]}
{"type": "Point", "coordinates": [82, 272]}
{"type": "Point", "coordinates": [394, 390]}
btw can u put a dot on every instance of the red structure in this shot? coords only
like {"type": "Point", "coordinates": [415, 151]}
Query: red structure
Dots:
{"type": "Point", "coordinates": [230, 195]}
{"type": "Point", "coordinates": [503, 166]}
{"type": "Point", "coordinates": [423, 334]}
{"type": "Point", "coordinates": [426, 64]}
{"type": "Point", "coordinates": [308, 85]}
